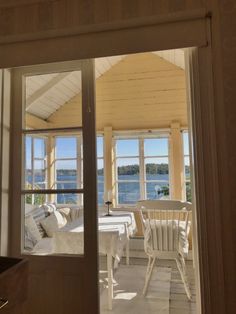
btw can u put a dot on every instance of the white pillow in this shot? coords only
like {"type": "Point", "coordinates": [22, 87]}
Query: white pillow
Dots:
{"type": "Point", "coordinates": [49, 207]}
{"type": "Point", "coordinates": [32, 227]}
{"type": "Point", "coordinates": [65, 212]}
{"type": "Point", "coordinates": [53, 223]}
{"type": "Point", "coordinates": [75, 213]}
{"type": "Point", "coordinates": [30, 240]}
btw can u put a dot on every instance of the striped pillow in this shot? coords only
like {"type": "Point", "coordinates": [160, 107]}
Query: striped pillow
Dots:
{"type": "Point", "coordinates": [39, 214]}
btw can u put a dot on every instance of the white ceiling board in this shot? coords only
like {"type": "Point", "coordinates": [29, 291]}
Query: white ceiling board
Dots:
{"type": "Point", "coordinates": [47, 93]}
{"type": "Point", "coordinates": [174, 56]}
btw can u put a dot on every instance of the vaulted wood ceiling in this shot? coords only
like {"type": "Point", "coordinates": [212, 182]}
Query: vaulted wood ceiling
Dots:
{"type": "Point", "coordinates": [46, 94]}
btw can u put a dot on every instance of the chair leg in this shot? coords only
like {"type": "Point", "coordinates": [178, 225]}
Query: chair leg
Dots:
{"type": "Point", "coordinates": [148, 274]}
{"type": "Point", "coordinates": [184, 276]}
{"type": "Point", "coordinates": [148, 266]}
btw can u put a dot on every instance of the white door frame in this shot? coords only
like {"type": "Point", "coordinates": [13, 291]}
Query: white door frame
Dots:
{"type": "Point", "coordinates": [90, 257]}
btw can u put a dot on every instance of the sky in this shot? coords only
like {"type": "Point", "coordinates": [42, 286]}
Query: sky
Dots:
{"type": "Point", "coordinates": [66, 147]}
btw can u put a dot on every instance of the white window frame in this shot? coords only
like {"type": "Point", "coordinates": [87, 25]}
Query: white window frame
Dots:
{"type": "Point", "coordinates": [33, 159]}
{"type": "Point", "coordinates": [79, 162]}
{"type": "Point", "coordinates": [184, 131]}
{"type": "Point", "coordinates": [101, 158]}
{"type": "Point", "coordinates": [78, 159]}
{"type": "Point", "coordinates": [140, 136]}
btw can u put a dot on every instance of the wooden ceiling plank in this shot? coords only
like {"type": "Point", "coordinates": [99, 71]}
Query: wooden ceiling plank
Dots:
{"type": "Point", "coordinates": [45, 89]}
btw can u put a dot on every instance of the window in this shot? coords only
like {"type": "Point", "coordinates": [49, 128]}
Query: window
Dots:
{"type": "Point", "coordinates": [142, 169]}
{"type": "Point", "coordinates": [156, 168]}
{"type": "Point", "coordinates": [69, 165]}
{"type": "Point", "coordinates": [187, 177]}
{"type": "Point", "coordinates": [35, 167]}
{"type": "Point", "coordinates": [127, 171]}
{"type": "Point", "coordinates": [100, 170]}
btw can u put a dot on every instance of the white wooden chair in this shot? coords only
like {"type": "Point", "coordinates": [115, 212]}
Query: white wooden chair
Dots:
{"type": "Point", "coordinates": [166, 226]}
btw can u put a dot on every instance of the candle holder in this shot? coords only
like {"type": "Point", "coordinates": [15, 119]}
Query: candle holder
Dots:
{"type": "Point", "coordinates": [108, 203]}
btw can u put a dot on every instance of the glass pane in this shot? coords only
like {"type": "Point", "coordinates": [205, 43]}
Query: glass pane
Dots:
{"type": "Point", "coordinates": [66, 186]}
{"type": "Point", "coordinates": [187, 168]}
{"type": "Point", "coordinates": [100, 187]}
{"type": "Point", "coordinates": [28, 152]}
{"type": "Point", "coordinates": [128, 192]}
{"type": "Point", "coordinates": [39, 165]}
{"type": "Point", "coordinates": [39, 148]}
{"type": "Point", "coordinates": [66, 147]}
{"type": "Point", "coordinates": [99, 146]}
{"type": "Point", "coordinates": [100, 181]}
{"type": "Point", "coordinates": [45, 98]}
{"type": "Point", "coordinates": [157, 169]}
{"type": "Point", "coordinates": [188, 192]}
{"type": "Point", "coordinates": [67, 199]}
{"type": "Point", "coordinates": [127, 168]}
{"type": "Point", "coordinates": [51, 227]}
{"type": "Point", "coordinates": [100, 168]}
{"type": "Point", "coordinates": [186, 143]}
{"type": "Point", "coordinates": [66, 170]}
{"type": "Point", "coordinates": [127, 148]}
{"type": "Point", "coordinates": [157, 190]}
{"type": "Point", "coordinates": [156, 147]}
{"type": "Point", "coordinates": [39, 177]}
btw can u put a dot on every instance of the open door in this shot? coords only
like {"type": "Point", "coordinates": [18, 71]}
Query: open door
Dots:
{"type": "Point", "coordinates": [53, 181]}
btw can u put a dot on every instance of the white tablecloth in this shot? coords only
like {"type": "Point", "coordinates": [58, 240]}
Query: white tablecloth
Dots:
{"type": "Point", "coordinates": [114, 232]}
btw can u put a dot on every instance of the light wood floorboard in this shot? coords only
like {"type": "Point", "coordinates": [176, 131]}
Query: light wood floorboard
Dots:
{"type": "Point", "coordinates": [179, 304]}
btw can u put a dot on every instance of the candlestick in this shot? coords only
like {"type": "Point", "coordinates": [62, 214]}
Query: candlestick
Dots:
{"type": "Point", "coordinates": [108, 203]}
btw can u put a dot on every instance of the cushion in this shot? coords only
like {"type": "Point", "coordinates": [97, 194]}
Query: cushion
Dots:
{"type": "Point", "coordinates": [75, 213]}
{"type": "Point", "coordinates": [32, 228]}
{"type": "Point", "coordinates": [38, 214]}
{"type": "Point", "coordinates": [65, 212]}
{"type": "Point", "coordinates": [53, 223]}
{"type": "Point", "coordinates": [30, 240]}
{"type": "Point", "coordinates": [49, 208]}
{"type": "Point", "coordinates": [166, 235]}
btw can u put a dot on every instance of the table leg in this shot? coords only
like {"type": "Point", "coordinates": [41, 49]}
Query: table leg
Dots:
{"type": "Point", "coordinates": [110, 280]}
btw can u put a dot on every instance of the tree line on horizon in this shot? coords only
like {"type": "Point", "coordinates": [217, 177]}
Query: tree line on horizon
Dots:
{"type": "Point", "coordinates": [151, 168]}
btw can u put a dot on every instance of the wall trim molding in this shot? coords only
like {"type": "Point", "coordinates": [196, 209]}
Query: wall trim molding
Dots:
{"type": "Point", "coordinates": [195, 15]}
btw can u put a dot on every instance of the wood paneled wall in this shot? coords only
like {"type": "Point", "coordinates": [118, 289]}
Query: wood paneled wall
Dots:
{"type": "Point", "coordinates": [224, 71]}
{"type": "Point", "coordinates": [140, 92]}
{"type": "Point", "coordinates": [19, 18]}
{"type": "Point", "coordinates": [41, 18]}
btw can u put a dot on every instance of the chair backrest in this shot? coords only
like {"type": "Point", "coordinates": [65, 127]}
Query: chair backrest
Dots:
{"type": "Point", "coordinates": [165, 223]}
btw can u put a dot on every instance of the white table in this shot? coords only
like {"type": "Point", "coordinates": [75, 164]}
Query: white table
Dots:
{"type": "Point", "coordinates": [114, 234]}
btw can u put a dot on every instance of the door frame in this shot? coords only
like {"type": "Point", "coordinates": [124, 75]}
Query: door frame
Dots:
{"type": "Point", "coordinates": [143, 37]}
{"type": "Point", "coordinates": [89, 190]}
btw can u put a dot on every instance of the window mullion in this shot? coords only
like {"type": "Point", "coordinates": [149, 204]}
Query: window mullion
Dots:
{"type": "Point", "coordinates": [79, 165]}
{"type": "Point", "coordinates": [142, 169]}
{"type": "Point", "coordinates": [115, 172]}
{"type": "Point", "coordinates": [32, 163]}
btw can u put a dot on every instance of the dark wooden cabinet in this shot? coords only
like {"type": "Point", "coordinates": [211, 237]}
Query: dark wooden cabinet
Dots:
{"type": "Point", "coordinates": [13, 284]}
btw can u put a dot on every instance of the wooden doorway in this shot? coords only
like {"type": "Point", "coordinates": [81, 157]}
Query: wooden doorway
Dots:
{"type": "Point", "coordinates": [55, 280]}
{"type": "Point", "coordinates": [141, 38]}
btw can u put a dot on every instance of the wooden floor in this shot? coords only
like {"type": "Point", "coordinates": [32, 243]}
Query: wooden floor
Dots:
{"type": "Point", "coordinates": [178, 303]}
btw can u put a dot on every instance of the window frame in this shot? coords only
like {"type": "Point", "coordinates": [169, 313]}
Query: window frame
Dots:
{"type": "Point", "coordinates": [140, 136]}
{"type": "Point", "coordinates": [79, 161]}
{"type": "Point", "coordinates": [185, 131]}
{"type": "Point", "coordinates": [32, 138]}
{"type": "Point", "coordinates": [100, 134]}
